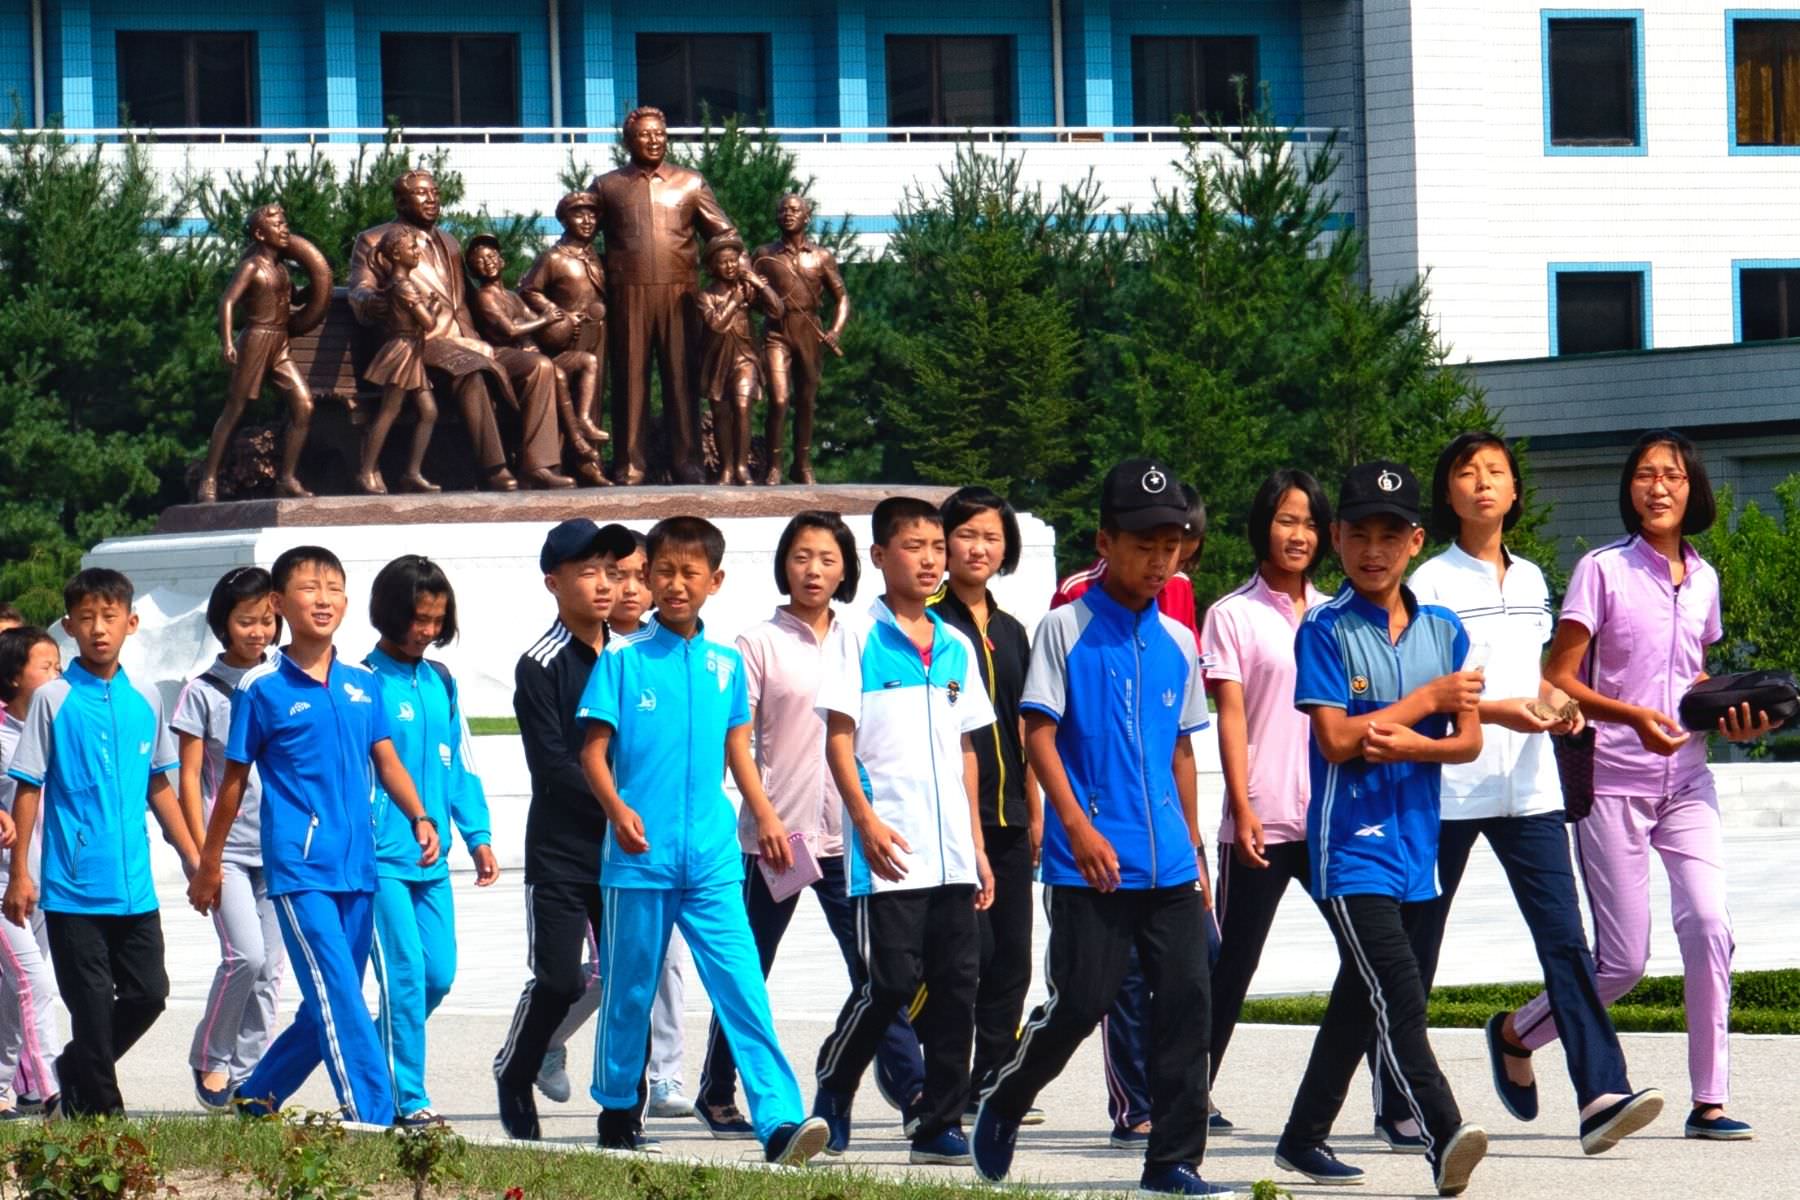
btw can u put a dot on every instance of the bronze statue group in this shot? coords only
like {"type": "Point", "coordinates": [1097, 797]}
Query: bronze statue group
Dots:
{"type": "Point", "coordinates": [447, 321]}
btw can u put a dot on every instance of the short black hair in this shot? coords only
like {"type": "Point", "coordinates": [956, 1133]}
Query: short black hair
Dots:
{"type": "Point", "coordinates": [300, 556]}
{"type": "Point", "coordinates": [832, 523]}
{"type": "Point", "coordinates": [100, 582]}
{"type": "Point", "coordinates": [235, 587]}
{"type": "Point", "coordinates": [685, 533]}
{"type": "Point", "coordinates": [1268, 498]}
{"type": "Point", "coordinates": [1445, 524]}
{"type": "Point", "coordinates": [10, 613]}
{"type": "Point", "coordinates": [640, 543]}
{"type": "Point", "coordinates": [960, 506]}
{"type": "Point", "coordinates": [1702, 507]}
{"type": "Point", "coordinates": [16, 646]}
{"type": "Point", "coordinates": [1196, 507]}
{"type": "Point", "coordinates": [896, 513]}
{"type": "Point", "coordinates": [395, 594]}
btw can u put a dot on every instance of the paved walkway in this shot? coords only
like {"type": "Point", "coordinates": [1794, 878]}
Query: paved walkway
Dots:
{"type": "Point", "coordinates": [1487, 942]}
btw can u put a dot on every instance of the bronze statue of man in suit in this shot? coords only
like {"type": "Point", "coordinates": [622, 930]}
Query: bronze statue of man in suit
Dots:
{"type": "Point", "coordinates": [650, 213]}
{"type": "Point", "coordinates": [476, 377]}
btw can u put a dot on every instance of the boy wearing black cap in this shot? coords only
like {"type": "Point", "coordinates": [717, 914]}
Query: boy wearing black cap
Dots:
{"type": "Point", "coordinates": [1112, 695]}
{"type": "Point", "coordinates": [1381, 677]}
{"type": "Point", "coordinates": [565, 826]}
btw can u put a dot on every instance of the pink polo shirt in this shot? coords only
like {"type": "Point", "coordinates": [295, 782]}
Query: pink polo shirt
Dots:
{"type": "Point", "coordinates": [781, 668]}
{"type": "Point", "coordinates": [1249, 639]}
{"type": "Point", "coordinates": [1650, 640]}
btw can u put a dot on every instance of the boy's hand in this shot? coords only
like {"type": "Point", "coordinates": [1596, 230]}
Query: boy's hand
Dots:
{"type": "Point", "coordinates": [9, 833]}
{"type": "Point", "coordinates": [628, 831]}
{"type": "Point", "coordinates": [883, 847]}
{"type": "Point", "coordinates": [1735, 725]}
{"type": "Point", "coordinates": [1522, 716]}
{"type": "Point", "coordinates": [1248, 848]}
{"type": "Point", "coordinates": [1457, 692]}
{"type": "Point", "coordinates": [487, 867]}
{"type": "Point", "coordinates": [1035, 831]}
{"type": "Point", "coordinates": [425, 833]}
{"type": "Point", "coordinates": [21, 899]}
{"type": "Point", "coordinates": [1094, 857]}
{"type": "Point", "coordinates": [204, 886]}
{"type": "Point", "coordinates": [1385, 743]}
{"type": "Point", "coordinates": [772, 843]}
{"type": "Point", "coordinates": [1203, 882]}
{"type": "Point", "coordinates": [984, 894]}
{"type": "Point", "coordinates": [1659, 732]}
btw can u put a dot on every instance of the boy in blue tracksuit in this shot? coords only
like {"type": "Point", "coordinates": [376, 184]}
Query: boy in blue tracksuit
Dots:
{"type": "Point", "coordinates": [313, 727]}
{"type": "Point", "coordinates": [413, 607]}
{"type": "Point", "coordinates": [1381, 677]}
{"type": "Point", "coordinates": [94, 750]}
{"type": "Point", "coordinates": [666, 710]}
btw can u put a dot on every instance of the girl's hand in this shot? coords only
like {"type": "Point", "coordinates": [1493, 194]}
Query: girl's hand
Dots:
{"type": "Point", "coordinates": [1735, 725]}
{"type": "Point", "coordinates": [1249, 846]}
{"type": "Point", "coordinates": [1557, 699]}
{"type": "Point", "coordinates": [772, 841]}
{"type": "Point", "coordinates": [1659, 732]}
{"type": "Point", "coordinates": [984, 894]}
{"type": "Point", "coordinates": [203, 890]}
{"type": "Point", "coordinates": [1521, 716]}
{"type": "Point", "coordinates": [9, 833]}
{"type": "Point", "coordinates": [487, 867]}
{"type": "Point", "coordinates": [1035, 831]}
{"type": "Point", "coordinates": [628, 831]}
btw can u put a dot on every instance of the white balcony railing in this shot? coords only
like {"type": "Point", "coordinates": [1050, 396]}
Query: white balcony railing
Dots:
{"type": "Point", "coordinates": [602, 134]}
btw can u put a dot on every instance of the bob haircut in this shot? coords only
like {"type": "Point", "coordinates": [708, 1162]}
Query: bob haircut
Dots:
{"type": "Point", "coordinates": [1268, 498]}
{"type": "Point", "coordinates": [1702, 509]}
{"type": "Point", "coordinates": [686, 533]}
{"type": "Point", "coordinates": [396, 593]}
{"type": "Point", "coordinates": [832, 523]}
{"type": "Point", "coordinates": [302, 556]}
{"type": "Point", "coordinates": [16, 645]}
{"type": "Point", "coordinates": [102, 583]}
{"type": "Point", "coordinates": [1445, 524]}
{"type": "Point", "coordinates": [239, 585]}
{"type": "Point", "coordinates": [964, 504]}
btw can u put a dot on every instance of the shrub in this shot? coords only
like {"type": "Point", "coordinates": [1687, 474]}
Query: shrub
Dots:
{"type": "Point", "coordinates": [85, 1160]}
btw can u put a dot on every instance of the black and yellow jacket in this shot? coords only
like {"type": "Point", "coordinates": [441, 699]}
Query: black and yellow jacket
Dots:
{"type": "Point", "coordinates": [1003, 651]}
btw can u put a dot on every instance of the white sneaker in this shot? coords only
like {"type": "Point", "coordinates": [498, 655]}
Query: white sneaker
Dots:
{"type": "Point", "coordinates": [553, 1075]}
{"type": "Point", "coordinates": [666, 1099]}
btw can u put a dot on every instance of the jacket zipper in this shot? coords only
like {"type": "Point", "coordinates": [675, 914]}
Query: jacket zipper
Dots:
{"type": "Point", "coordinates": [112, 713]}
{"type": "Point", "coordinates": [687, 675]}
{"type": "Point", "coordinates": [1669, 677]}
{"type": "Point", "coordinates": [1137, 730]}
{"type": "Point", "coordinates": [987, 653]}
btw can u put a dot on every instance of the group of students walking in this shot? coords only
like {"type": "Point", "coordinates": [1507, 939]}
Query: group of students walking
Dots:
{"type": "Point", "coordinates": [913, 762]}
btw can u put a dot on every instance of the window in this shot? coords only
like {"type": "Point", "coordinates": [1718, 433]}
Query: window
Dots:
{"type": "Point", "coordinates": [952, 81]}
{"type": "Point", "coordinates": [1768, 303]}
{"type": "Point", "coordinates": [192, 79]}
{"type": "Point", "coordinates": [1593, 100]}
{"type": "Point", "coordinates": [450, 79]}
{"type": "Point", "coordinates": [725, 75]}
{"type": "Point", "coordinates": [1192, 77]}
{"type": "Point", "coordinates": [1599, 309]}
{"type": "Point", "coordinates": [1766, 87]}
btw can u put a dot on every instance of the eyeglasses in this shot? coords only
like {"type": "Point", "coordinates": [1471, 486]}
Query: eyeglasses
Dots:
{"type": "Point", "coordinates": [1673, 480]}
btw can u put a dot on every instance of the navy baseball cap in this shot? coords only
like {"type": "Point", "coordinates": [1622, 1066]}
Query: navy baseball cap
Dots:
{"type": "Point", "coordinates": [1379, 488]}
{"type": "Point", "coordinates": [579, 537]}
{"type": "Point", "coordinates": [1140, 494]}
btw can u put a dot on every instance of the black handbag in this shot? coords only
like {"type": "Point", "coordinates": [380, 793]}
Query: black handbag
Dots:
{"type": "Point", "coordinates": [1772, 692]}
{"type": "Point", "coordinates": [1575, 766]}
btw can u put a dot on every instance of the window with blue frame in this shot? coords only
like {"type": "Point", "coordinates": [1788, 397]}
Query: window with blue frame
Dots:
{"type": "Point", "coordinates": [957, 82]}
{"type": "Point", "coordinates": [1593, 85]}
{"type": "Point", "coordinates": [1193, 78]}
{"type": "Point", "coordinates": [449, 79]}
{"type": "Point", "coordinates": [1768, 303]}
{"type": "Point", "coordinates": [696, 78]}
{"type": "Point", "coordinates": [1600, 309]}
{"type": "Point", "coordinates": [192, 79]}
{"type": "Point", "coordinates": [1766, 81]}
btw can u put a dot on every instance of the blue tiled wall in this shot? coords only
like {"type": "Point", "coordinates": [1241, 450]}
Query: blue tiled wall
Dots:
{"type": "Point", "coordinates": [1274, 23]}
{"type": "Point", "coordinates": [15, 61]}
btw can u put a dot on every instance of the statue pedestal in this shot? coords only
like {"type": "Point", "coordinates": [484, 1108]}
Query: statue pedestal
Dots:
{"type": "Point", "coordinates": [488, 545]}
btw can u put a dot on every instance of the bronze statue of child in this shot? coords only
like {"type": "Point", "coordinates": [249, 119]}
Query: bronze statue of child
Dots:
{"type": "Point", "coordinates": [262, 288]}
{"type": "Point", "coordinates": [730, 364]}
{"type": "Point", "coordinates": [399, 366]}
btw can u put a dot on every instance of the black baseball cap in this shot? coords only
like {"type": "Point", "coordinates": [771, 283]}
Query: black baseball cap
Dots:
{"type": "Point", "coordinates": [1140, 494]}
{"type": "Point", "coordinates": [579, 537]}
{"type": "Point", "coordinates": [1379, 488]}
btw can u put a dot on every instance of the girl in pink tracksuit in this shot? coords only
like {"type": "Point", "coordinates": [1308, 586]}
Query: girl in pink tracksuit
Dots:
{"type": "Point", "coordinates": [1631, 640]}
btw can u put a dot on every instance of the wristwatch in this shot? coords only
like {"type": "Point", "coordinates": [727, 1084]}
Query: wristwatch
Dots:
{"type": "Point", "coordinates": [428, 819]}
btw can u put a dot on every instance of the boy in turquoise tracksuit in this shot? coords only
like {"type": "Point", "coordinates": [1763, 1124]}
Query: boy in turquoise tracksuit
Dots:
{"type": "Point", "coordinates": [665, 709]}
{"type": "Point", "coordinates": [414, 609]}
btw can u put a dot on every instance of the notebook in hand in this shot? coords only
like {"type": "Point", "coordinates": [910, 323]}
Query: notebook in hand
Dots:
{"type": "Point", "coordinates": [804, 872]}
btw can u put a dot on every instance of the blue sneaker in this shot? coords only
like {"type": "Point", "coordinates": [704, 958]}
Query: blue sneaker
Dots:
{"type": "Point", "coordinates": [212, 1101]}
{"type": "Point", "coordinates": [1317, 1163]}
{"type": "Point", "coordinates": [947, 1148]}
{"type": "Point", "coordinates": [792, 1145]}
{"type": "Point", "coordinates": [991, 1149]}
{"type": "Point", "coordinates": [1180, 1180]}
{"type": "Point", "coordinates": [1520, 1099]}
{"type": "Point", "coordinates": [834, 1109]}
{"type": "Point", "coordinates": [1718, 1129]}
{"type": "Point", "coordinates": [1612, 1124]}
{"type": "Point", "coordinates": [1400, 1143]}
{"type": "Point", "coordinates": [724, 1121]}
{"type": "Point", "coordinates": [1130, 1137]}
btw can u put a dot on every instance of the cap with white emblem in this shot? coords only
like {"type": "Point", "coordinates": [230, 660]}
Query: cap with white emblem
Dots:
{"type": "Point", "coordinates": [1379, 488]}
{"type": "Point", "coordinates": [1140, 494]}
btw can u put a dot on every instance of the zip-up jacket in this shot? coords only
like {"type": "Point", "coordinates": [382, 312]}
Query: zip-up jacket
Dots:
{"type": "Point", "coordinates": [911, 711]}
{"type": "Point", "coordinates": [311, 742]}
{"type": "Point", "coordinates": [432, 739]}
{"type": "Point", "coordinates": [94, 745]}
{"type": "Point", "coordinates": [1003, 653]}
{"type": "Point", "coordinates": [670, 702]}
{"type": "Point", "coordinates": [565, 824]}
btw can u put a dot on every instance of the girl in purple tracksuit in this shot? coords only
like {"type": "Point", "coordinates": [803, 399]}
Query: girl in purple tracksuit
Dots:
{"type": "Point", "coordinates": [1631, 640]}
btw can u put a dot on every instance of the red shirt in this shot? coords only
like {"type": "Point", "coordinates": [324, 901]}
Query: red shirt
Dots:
{"type": "Point", "coordinates": [1176, 598]}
